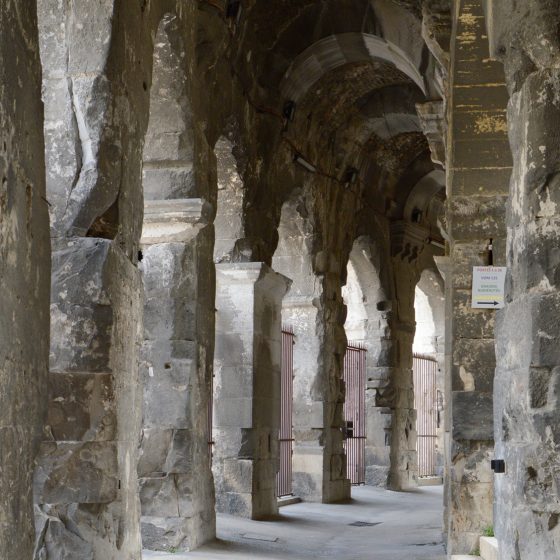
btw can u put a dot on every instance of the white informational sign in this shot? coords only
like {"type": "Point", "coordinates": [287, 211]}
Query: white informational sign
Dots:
{"type": "Point", "coordinates": [488, 287]}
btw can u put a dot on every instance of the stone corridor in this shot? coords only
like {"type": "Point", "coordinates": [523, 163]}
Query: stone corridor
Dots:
{"type": "Point", "coordinates": [309, 239]}
{"type": "Point", "coordinates": [407, 526]}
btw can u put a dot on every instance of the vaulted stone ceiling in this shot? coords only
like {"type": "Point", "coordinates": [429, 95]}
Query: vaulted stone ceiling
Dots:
{"type": "Point", "coordinates": [356, 71]}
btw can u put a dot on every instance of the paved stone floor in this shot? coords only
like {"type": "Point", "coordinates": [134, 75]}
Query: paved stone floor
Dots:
{"type": "Point", "coordinates": [409, 528]}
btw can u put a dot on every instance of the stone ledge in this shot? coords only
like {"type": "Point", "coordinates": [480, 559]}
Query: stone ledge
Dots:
{"type": "Point", "coordinates": [153, 555]}
{"type": "Point", "coordinates": [489, 548]}
{"type": "Point", "coordinates": [175, 220]}
{"type": "Point", "coordinates": [288, 501]}
{"type": "Point", "coordinates": [430, 481]}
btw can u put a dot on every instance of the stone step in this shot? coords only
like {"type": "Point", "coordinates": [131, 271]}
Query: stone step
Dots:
{"type": "Point", "coordinates": [465, 557]}
{"type": "Point", "coordinates": [152, 555]}
{"type": "Point", "coordinates": [288, 501]}
{"type": "Point", "coordinates": [489, 548]}
{"type": "Point", "coordinates": [430, 481]}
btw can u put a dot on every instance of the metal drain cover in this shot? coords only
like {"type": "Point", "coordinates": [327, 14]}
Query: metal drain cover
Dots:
{"type": "Point", "coordinates": [363, 524]}
{"type": "Point", "coordinates": [257, 537]}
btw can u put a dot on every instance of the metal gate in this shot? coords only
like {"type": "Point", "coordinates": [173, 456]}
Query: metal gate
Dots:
{"type": "Point", "coordinates": [425, 403]}
{"type": "Point", "coordinates": [355, 412]}
{"type": "Point", "coordinates": [285, 437]}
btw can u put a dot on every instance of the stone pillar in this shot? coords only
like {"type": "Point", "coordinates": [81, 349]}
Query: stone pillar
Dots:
{"type": "Point", "coordinates": [319, 463]}
{"type": "Point", "coordinates": [176, 487]}
{"type": "Point", "coordinates": [85, 482]}
{"type": "Point", "coordinates": [309, 469]}
{"type": "Point", "coordinates": [478, 171]}
{"type": "Point", "coordinates": [379, 370]}
{"type": "Point", "coordinates": [328, 387]}
{"type": "Point", "coordinates": [247, 387]}
{"type": "Point", "coordinates": [404, 464]}
{"type": "Point", "coordinates": [407, 243]}
{"type": "Point", "coordinates": [24, 274]}
{"type": "Point", "coordinates": [445, 268]}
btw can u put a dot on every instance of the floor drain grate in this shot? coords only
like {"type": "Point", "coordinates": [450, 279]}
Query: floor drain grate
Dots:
{"type": "Point", "coordinates": [257, 537]}
{"type": "Point", "coordinates": [362, 524]}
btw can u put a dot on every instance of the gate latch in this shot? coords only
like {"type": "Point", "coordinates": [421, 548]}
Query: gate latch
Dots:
{"type": "Point", "coordinates": [348, 429]}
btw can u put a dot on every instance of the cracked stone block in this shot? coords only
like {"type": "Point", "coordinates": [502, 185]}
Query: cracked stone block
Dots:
{"type": "Point", "coordinates": [77, 472]}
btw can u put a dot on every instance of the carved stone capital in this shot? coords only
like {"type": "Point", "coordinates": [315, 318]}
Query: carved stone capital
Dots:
{"type": "Point", "coordinates": [174, 221]}
{"type": "Point", "coordinates": [407, 240]}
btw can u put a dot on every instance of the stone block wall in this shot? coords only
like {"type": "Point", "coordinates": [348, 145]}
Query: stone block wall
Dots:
{"type": "Point", "coordinates": [247, 387]}
{"type": "Point", "coordinates": [176, 487]}
{"type": "Point", "coordinates": [478, 169]}
{"type": "Point", "coordinates": [86, 475]}
{"type": "Point", "coordinates": [24, 274]}
{"type": "Point", "coordinates": [527, 502]}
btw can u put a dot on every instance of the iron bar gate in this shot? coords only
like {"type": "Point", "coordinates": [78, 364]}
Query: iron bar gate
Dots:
{"type": "Point", "coordinates": [355, 412]}
{"type": "Point", "coordinates": [285, 437]}
{"type": "Point", "coordinates": [425, 403]}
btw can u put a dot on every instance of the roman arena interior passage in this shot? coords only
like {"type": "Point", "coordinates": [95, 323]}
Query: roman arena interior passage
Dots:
{"type": "Point", "coordinates": [279, 279]}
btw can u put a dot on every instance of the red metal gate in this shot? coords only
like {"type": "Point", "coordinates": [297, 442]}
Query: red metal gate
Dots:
{"type": "Point", "coordinates": [425, 403]}
{"type": "Point", "coordinates": [355, 412]}
{"type": "Point", "coordinates": [285, 437]}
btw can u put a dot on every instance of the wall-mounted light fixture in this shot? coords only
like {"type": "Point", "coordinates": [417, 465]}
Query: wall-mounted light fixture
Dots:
{"type": "Point", "coordinates": [299, 159]}
{"type": "Point", "coordinates": [233, 8]}
{"type": "Point", "coordinates": [350, 176]}
{"type": "Point", "coordinates": [435, 243]}
{"type": "Point", "coordinates": [416, 216]}
{"type": "Point", "coordinates": [289, 110]}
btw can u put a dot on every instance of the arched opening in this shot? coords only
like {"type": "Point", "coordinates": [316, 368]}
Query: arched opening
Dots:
{"type": "Point", "coordinates": [367, 324]}
{"type": "Point", "coordinates": [429, 382]}
{"type": "Point", "coordinates": [247, 362]}
{"type": "Point", "coordinates": [294, 259]}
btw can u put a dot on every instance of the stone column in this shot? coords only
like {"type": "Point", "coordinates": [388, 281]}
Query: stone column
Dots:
{"type": "Point", "coordinates": [85, 481]}
{"type": "Point", "coordinates": [445, 268]}
{"type": "Point", "coordinates": [478, 171]}
{"type": "Point", "coordinates": [176, 487]}
{"type": "Point", "coordinates": [247, 387]}
{"type": "Point", "coordinates": [380, 358]}
{"type": "Point", "coordinates": [397, 392]}
{"type": "Point", "coordinates": [404, 465]}
{"type": "Point", "coordinates": [319, 463]}
{"type": "Point", "coordinates": [309, 469]}
{"type": "Point", "coordinates": [378, 418]}
{"type": "Point", "coordinates": [24, 274]}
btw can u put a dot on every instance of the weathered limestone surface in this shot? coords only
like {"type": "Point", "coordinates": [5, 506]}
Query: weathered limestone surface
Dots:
{"type": "Point", "coordinates": [97, 64]}
{"type": "Point", "coordinates": [85, 483]}
{"type": "Point", "coordinates": [247, 387]}
{"type": "Point", "coordinates": [24, 274]}
{"type": "Point", "coordinates": [137, 94]}
{"type": "Point", "coordinates": [176, 489]}
{"type": "Point", "coordinates": [526, 413]}
{"type": "Point", "coordinates": [478, 167]}
{"type": "Point", "coordinates": [374, 333]}
{"type": "Point", "coordinates": [408, 253]}
{"type": "Point", "coordinates": [319, 464]}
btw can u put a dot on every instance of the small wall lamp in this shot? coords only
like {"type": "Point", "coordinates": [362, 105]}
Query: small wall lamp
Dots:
{"type": "Point", "coordinates": [299, 159]}
{"type": "Point", "coordinates": [233, 8]}
{"type": "Point", "coordinates": [350, 176]}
